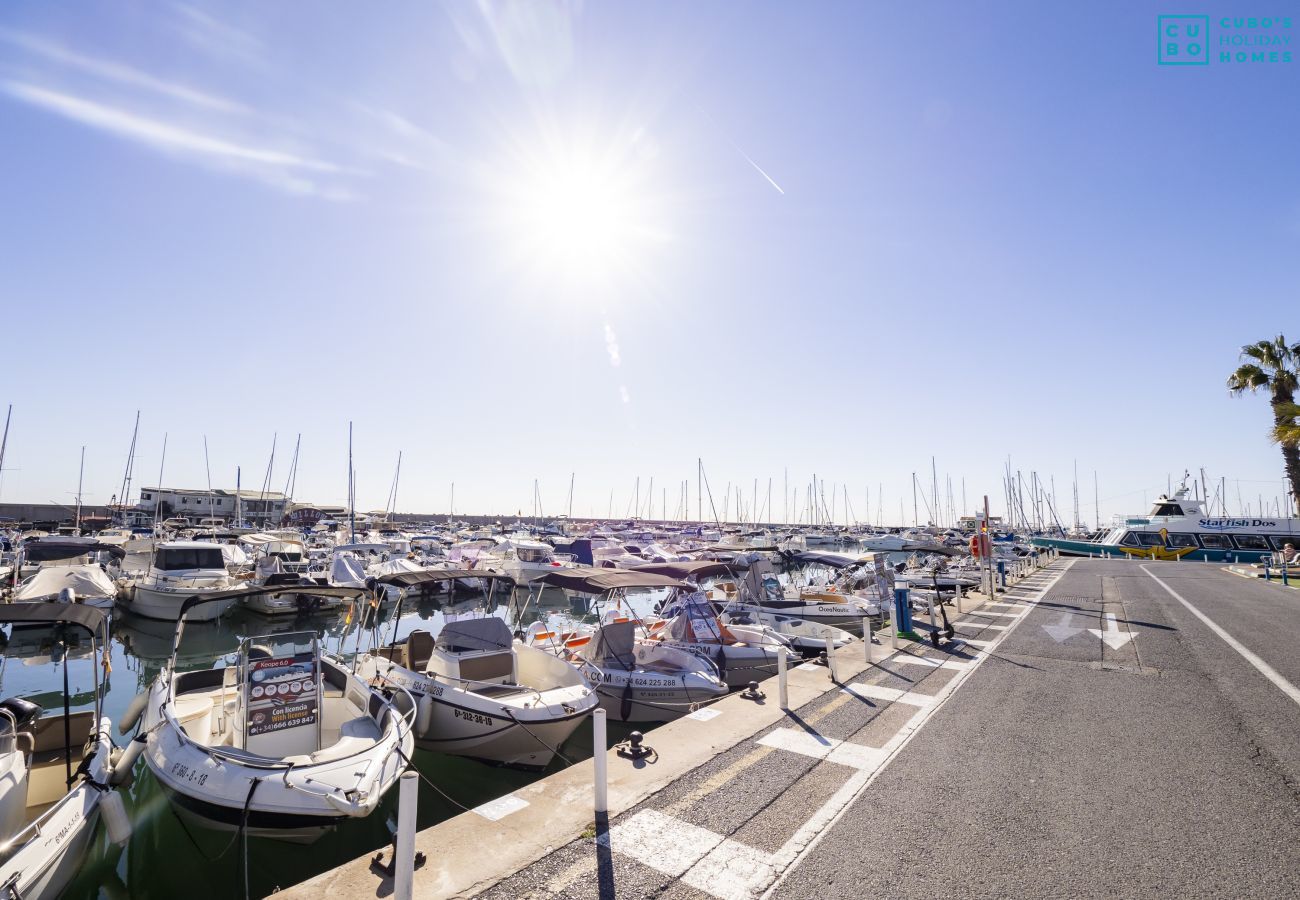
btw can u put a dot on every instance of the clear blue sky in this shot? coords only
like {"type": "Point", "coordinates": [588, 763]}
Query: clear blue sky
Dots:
{"type": "Point", "coordinates": [516, 241]}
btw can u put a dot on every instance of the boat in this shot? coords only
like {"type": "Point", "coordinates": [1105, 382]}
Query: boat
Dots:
{"type": "Point", "coordinates": [177, 571]}
{"type": "Point", "coordinates": [480, 693]}
{"type": "Point", "coordinates": [89, 585]}
{"type": "Point", "coordinates": [284, 742]}
{"type": "Point", "coordinates": [523, 560]}
{"type": "Point", "coordinates": [1178, 528]}
{"type": "Point", "coordinates": [741, 653]}
{"type": "Point", "coordinates": [57, 776]}
{"type": "Point", "coordinates": [638, 680]}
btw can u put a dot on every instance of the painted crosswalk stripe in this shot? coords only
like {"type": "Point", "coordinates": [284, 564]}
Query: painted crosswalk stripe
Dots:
{"type": "Point", "coordinates": [818, 746]}
{"type": "Point", "coordinates": [889, 695]}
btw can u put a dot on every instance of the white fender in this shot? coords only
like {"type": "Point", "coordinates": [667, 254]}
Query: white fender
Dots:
{"type": "Point", "coordinates": [423, 714]}
{"type": "Point", "coordinates": [116, 821]}
{"type": "Point", "coordinates": [134, 710]}
{"type": "Point", "coordinates": [124, 770]}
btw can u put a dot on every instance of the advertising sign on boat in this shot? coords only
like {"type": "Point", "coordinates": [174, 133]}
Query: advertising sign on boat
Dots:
{"type": "Point", "coordinates": [281, 693]}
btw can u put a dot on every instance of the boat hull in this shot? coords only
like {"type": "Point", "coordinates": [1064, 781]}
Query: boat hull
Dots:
{"type": "Point", "coordinates": [166, 605]}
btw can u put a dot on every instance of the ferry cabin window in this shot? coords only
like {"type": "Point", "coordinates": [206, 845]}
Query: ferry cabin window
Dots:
{"type": "Point", "coordinates": [1129, 540]}
{"type": "Point", "coordinates": [1168, 509]}
{"type": "Point", "coordinates": [1181, 539]}
{"type": "Point", "coordinates": [1216, 542]}
{"type": "Point", "coordinates": [1251, 541]}
{"type": "Point", "coordinates": [181, 558]}
{"type": "Point", "coordinates": [1281, 540]}
{"type": "Point", "coordinates": [1147, 539]}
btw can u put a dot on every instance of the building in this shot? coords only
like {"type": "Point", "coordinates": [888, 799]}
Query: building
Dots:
{"type": "Point", "coordinates": [306, 515]}
{"type": "Point", "coordinates": [254, 507]}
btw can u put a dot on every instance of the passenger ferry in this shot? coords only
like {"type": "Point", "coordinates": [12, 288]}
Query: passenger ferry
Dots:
{"type": "Point", "coordinates": [1178, 528]}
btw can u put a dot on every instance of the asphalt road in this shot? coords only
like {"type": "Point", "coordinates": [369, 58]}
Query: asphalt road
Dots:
{"type": "Point", "coordinates": [1083, 755]}
{"type": "Point", "coordinates": [1167, 767]}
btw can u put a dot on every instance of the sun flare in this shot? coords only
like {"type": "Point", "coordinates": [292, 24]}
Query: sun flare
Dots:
{"type": "Point", "coordinates": [581, 212]}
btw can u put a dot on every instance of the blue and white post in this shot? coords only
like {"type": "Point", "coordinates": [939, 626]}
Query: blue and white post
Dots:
{"type": "Point", "coordinates": [1002, 573]}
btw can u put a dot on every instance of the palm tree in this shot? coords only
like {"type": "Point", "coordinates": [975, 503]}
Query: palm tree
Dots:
{"type": "Point", "coordinates": [1275, 365]}
{"type": "Point", "coordinates": [1287, 433]}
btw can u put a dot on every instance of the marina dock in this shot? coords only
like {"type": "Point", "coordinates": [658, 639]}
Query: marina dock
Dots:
{"type": "Point", "coordinates": [1102, 727]}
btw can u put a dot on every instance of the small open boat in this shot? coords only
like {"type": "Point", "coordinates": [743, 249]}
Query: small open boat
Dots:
{"type": "Point", "coordinates": [286, 740]}
{"type": "Point", "coordinates": [478, 692]}
{"type": "Point", "coordinates": [56, 770]}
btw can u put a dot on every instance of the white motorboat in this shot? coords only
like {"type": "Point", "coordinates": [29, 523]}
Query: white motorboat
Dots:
{"type": "Point", "coordinates": [180, 570]}
{"type": "Point", "coordinates": [90, 586]}
{"type": "Point", "coordinates": [741, 653]}
{"type": "Point", "coordinates": [523, 560]}
{"type": "Point", "coordinates": [53, 792]}
{"type": "Point", "coordinates": [639, 680]}
{"type": "Point", "coordinates": [283, 742]}
{"type": "Point", "coordinates": [479, 693]}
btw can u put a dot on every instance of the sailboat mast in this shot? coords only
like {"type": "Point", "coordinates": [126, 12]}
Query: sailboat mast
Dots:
{"type": "Point", "coordinates": [158, 501]}
{"type": "Point", "coordinates": [80, 480]}
{"type": "Point", "coordinates": [130, 466]}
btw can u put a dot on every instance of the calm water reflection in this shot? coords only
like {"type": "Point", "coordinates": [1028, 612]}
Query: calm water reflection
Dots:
{"type": "Point", "coordinates": [169, 856]}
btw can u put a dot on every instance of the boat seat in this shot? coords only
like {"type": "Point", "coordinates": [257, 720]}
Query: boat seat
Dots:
{"type": "Point", "coordinates": [355, 735]}
{"type": "Point", "coordinates": [25, 712]}
{"type": "Point", "coordinates": [419, 647]}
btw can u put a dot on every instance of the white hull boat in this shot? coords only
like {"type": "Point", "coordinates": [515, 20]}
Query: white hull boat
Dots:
{"type": "Point", "coordinates": [481, 694]}
{"type": "Point", "coordinates": [281, 744]}
{"type": "Point", "coordinates": [54, 792]}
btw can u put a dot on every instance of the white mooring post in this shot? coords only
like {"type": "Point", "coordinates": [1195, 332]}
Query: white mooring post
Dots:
{"type": "Point", "coordinates": [933, 626]}
{"type": "Point", "coordinates": [959, 598]}
{"type": "Point", "coordinates": [830, 654]}
{"type": "Point", "coordinates": [782, 684]}
{"type": "Point", "coordinates": [866, 638]}
{"type": "Point", "coordinates": [408, 798]}
{"type": "Point", "coordinates": [599, 749]}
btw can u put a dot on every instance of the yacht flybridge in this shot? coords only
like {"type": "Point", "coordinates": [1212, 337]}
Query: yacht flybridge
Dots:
{"type": "Point", "coordinates": [1178, 527]}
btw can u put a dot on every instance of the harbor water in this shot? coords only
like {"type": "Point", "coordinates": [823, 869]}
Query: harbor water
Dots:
{"type": "Point", "coordinates": [172, 854]}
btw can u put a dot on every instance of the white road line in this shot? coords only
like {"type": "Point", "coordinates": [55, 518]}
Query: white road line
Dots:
{"type": "Point", "coordinates": [909, 659]}
{"type": "Point", "coordinates": [1000, 615]}
{"type": "Point", "coordinates": [718, 866]}
{"type": "Point", "coordinates": [1264, 668]}
{"type": "Point", "coordinates": [889, 695]}
{"type": "Point", "coordinates": [809, 835]}
{"type": "Point", "coordinates": [982, 625]}
{"type": "Point", "coordinates": [818, 746]}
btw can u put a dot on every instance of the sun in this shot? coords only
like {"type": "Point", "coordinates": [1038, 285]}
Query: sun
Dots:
{"type": "Point", "coordinates": [580, 209]}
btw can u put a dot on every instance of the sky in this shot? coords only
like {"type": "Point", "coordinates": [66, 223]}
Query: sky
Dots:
{"type": "Point", "coordinates": [533, 241]}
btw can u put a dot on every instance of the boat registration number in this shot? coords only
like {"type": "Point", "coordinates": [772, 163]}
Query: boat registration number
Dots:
{"type": "Point", "coordinates": [476, 718]}
{"type": "Point", "coordinates": [185, 773]}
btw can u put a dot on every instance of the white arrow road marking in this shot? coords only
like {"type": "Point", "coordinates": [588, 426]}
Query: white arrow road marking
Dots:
{"type": "Point", "coordinates": [1114, 638]}
{"type": "Point", "coordinates": [1063, 630]}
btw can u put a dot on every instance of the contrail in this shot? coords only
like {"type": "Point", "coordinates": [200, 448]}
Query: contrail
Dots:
{"type": "Point", "coordinates": [760, 170]}
{"type": "Point", "coordinates": [736, 147]}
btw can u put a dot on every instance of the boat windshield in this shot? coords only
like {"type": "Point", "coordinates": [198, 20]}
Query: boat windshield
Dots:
{"type": "Point", "coordinates": [175, 559]}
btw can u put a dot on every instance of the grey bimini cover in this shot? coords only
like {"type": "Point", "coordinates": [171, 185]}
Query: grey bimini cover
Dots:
{"type": "Point", "coordinates": [473, 635]}
{"type": "Point", "coordinates": [612, 646]}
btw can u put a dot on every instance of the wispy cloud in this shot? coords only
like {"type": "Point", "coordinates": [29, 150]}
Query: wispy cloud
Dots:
{"type": "Point", "coordinates": [214, 36]}
{"type": "Point", "coordinates": [282, 169]}
{"type": "Point", "coordinates": [117, 72]}
{"type": "Point", "coordinates": [415, 148]}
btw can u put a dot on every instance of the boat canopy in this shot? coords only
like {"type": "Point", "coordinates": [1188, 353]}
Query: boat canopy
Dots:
{"type": "Point", "coordinates": [829, 558]}
{"type": "Point", "coordinates": [49, 581]}
{"type": "Point", "coordinates": [50, 551]}
{"type": "Point", "coordinates": [430, 576]}
{"type": "Point", "coordinates": [470, 635]}
{"type": "Point", "coordinates": [88, 617]}
{"type": "Point", "coordinates": [694, 569]}
{"type": "Point", "coordinates": [599, 581]}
